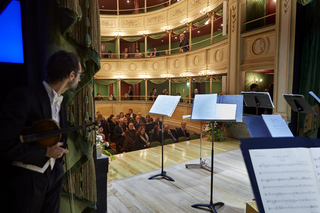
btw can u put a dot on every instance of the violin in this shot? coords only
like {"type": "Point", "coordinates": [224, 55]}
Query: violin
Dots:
{"type": "Point", "coordinates": [47, 132]}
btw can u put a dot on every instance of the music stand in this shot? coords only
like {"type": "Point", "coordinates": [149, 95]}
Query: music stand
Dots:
{"type": "Point", "coordinates": [205, 108]}
{"type": "Point", "coordinates": [257, 100]}
{"type": "Point", "coordinates": [300, 105]}
{"type": "Point", "coordinates": [164, 105]}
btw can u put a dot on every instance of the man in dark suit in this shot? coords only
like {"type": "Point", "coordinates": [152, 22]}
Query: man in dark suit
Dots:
{"type": "Point", "coordinates": [170, 133]}
{"type": "Point", "coordinates": [194, 94]}
{"type": "Point", "coordinates": [112, 125]}
{"type": "Point", "coordinates": [155, 53]}
{"type": "Point", "coordinates": [184, 43]}
{"type": "Point", "coordinates": [142, 119]}
{"type": "Point", "coordinates": [183, 131]}
{"type": "Point", "coordinates": [158, 122]}
{"type": "Point", "coordinates": [132, 115]}
{"type": "Point", "coordinates": [32, 176]}
{"type": "Point", "coordinates": [130, 93]}
{"type": "Point", "coordinates": [153, 96]}
{"type": "Point", "coordinates": [119, 135]}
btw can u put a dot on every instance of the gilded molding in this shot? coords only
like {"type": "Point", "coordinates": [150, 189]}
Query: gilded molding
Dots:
{"type": "Point", "coordinates": [286, 5]}
{"type": "Point", "coordinates": [131, 23]}
{"type": "Point", "coordinates": [234, 17]}
{"type": "Point", "coordinates": [177, 13]}
{"type": "Point", "coordinates": [106, 67]}
{"type": "Point", "coordinates": [132, 67]}
{"type": "Point", "coordinates": [196, 60]}
{"type": "Point", "coordinates": [155, 20]}
{"type": "Point", "coordinates": [196, 3]}
{"type": "Point", "coordinates": [177, 63]}
{"type": "Point", "coordinates": [218, 56]}
{"type": "Point", "coordinates": [258, 46]}
{"type": "Point", "coordinates": [108, 23]}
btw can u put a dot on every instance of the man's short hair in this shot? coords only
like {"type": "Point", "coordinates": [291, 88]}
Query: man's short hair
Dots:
{"type": "Point", "coordinates": [154, 89]}
{"type": "Point", "coordinates": [253, 86]}
{"type": "Point", "coordinates": [128, 114]}
{"type": "Point", "coordinates": [131, 110]}
{"type": "Point", "coordinates": [178, 93]}
{"type": "Point", "coordinates": [98, 94]}
{"type": "Point", "coordinates": [61, 64]}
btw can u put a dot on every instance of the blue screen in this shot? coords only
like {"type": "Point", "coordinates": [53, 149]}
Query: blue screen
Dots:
{"type": "Point", "coordinates": [11, 50]}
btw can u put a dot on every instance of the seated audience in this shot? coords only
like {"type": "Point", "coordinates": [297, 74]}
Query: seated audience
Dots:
{"type": "Point", "coordinates": [110, 119]}
{"type": "Point", "coordinates": [142, 119]}
{"type": "Point", "coordinates": [158, 122]}
{"type": "Point", "coordinates": [165, 92]}
{"type": "Point", "coordinates": [111, 98]}
{"type": "Point", "coordinates": [142, 139]}
{"type": "Point", "coordinates": [181, 99]}
{"type": "Point", "coordinates": [132, 115]}
{"type": "Point", "coordinates": [118, 117]}
{"type": "Point", "coordinates": [98, 97]}
{"type": "Point", "coordinates": [125, 123]}
{"type": "Point", "coordinates": [137, 123]}
{"type": "Point", "coordinates": [183, 131]}
{"type": "Point", "coordinates": [112, 125]}
{"type": "Point", "coordinates": [130, 139]}
{"type": "Point", "coordinates": [147, 118]}
{"type": "Point", "coordinates": [157, 134]}
{"type": "Point", "coordinates": [166, 52]}
{"type": "Point", "coordinates": [170, 133]}
{"type": "Point", "coordinates": [119, 135]}
{"type": "Point", "coordinates": [97, 113]}
{"type": "Point", "coordinates": [149, 126]}
{"type": "Point", "coordinates": [138, 54]}
{"type": "Point", "coordinates": [128, 116]}
{"type": "Point", "coordinates": [126, 96]}
{"type": "Point", "coordinates": [104, 124]}
{"type": "Point", "coordinates": [121, 115]}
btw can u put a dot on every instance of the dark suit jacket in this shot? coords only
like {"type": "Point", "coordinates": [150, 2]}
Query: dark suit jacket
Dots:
{"type": "Point", "coordinates": [24, 107]}
{"type": "Point", "coordinates": [156, 137]}
{"type": "Point", "coordinates": [167, 135]}
{"type": "Point", "coordinates": [155, 97]}
{"type": "Point", "coordinates": [181, 134]}
{"type": "Point", "coordinates": [160, 123]}
{"type": "Point", "coordinates": [155, 53]}
{"type": "Point", "coordinates": [130, 93]}
{"type": "Point", "coordinates": [184, 42]}
{"type": "Point", "coordinates": [118, 134]}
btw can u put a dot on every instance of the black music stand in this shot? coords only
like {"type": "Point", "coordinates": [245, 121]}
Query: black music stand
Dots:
{"type": "Point", "coordinates": [257, 100]}
{"type": "Point", "coordinates": [164, 105]}
{"type": "Point", "coordinates": [201, 108]}
{"type": "Point", "coordinates": [300, 105]}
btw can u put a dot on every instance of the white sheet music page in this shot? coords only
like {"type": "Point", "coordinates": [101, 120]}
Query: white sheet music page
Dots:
{"type": "Point", "coordinates": [204, 107]}
{"type": "Point", "coordinates": [226, 112]}
{"type": "Point", "coordinates": [315, 157]}
{"type": "Point", "coordinates": [286, 180]}
{"type": "Point", "coordinates": [165, 105]}
{"type": "Point", "coordinates": [277, 126]}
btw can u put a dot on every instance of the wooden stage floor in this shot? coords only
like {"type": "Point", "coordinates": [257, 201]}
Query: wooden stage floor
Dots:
{"type": "Point", "coordinates": [129, 190]}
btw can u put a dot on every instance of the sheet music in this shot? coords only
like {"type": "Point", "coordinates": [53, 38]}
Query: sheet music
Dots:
{"type": "Point", "coordinates": [314, 96]}
{"type": "Point", "coordinates": [226, 111]}
{"type": "Point", "coordinates": [165, 105]}
{"type": "Point", "coordinates": [286, 180]}
{"type": "Point", "coordinates": [186, 116]}
{"type": "Point", "coordinates": [204, 107]}
{"type": "Point", "coordinates": [315, 157]}
{"type": "Point", "coordinates": [277, 126]}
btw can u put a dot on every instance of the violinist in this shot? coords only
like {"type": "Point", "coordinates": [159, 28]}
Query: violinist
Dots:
{"type": "Point", "coordinates": [31, 179]}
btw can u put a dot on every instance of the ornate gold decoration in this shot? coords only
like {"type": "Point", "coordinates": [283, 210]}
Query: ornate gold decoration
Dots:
{"type": "Point", "coordinates": [196, 60]}
{"type": "Point", "coordinates": [155, 66]}
{"type": "Point", "coordinates": [218, 56]}
{"type": "Point", "coordinates": [106, 67]}
{"type": "Point", "coordinates": [108, 23]}
{"type": "Point", "coordinates": [258, 46]}
{"type": "Point", "coordinates": [234, 17]}
{"type": "Point", "coordinates": [132, 67]}
{"type": "Point", "coordinates": [177, 13]}
{"type": "Point", "coordinates": [131, 23]}
{"type": "Point", "coordinates": [286, 5]}
{"type": "Point", "coordinates": [155, 19]}
{"type": "Point", "coordinates": [177, 63]}
{"type": "Point", "coordinates": [196, 3]}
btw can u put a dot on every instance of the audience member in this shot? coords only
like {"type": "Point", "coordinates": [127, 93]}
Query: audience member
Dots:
{"type": "Point", "coordinates": [128, 116]}
{"type": "Point", "coordinates": [118, 118]}
{"type": "Point", "coordinates": [147, 118]}
{"type": "Point", "coordinates": [184, 43]}
{"type": "Point", "coordinates": [131, 120]}
{"type": "Point", "coordinates": [111, 98]}
{"type": "Point", "coordinates": [130, 139]}
{"type": "Point", "coordinates": [130, 93]}
{"type": "Point", "coordinates": [125, 53]}
{"type": "Point", "coordinates": [183, 131]}
{"type": "Point", "coordinates": [165, 92]}
{"type": "Point", "coordinates": [138, 54]}
{"type": "Point", "coordinates": [126, 96]}
{"type": "Point", "coordinates": [194, 94]}
{"type": "Point", "coordinates": [119, 135]}
{"type": "Point", "coordinates": [98, 97]}
{"type": "Point", "coordinates": [121, 115]}
{"type": "Point", "coordinates": [132, 115]}
{"type": "Point", "coordinates": [97, 113]}
{"type": "Point", "coordinates": [166, 52]}
{"type": "Point", "coordinates": [155, 53]}
{"type": "Point", "coordinates": [142, 119]}
{"type": "Point", "coordinates": [137, 122]}
{"type": "Point", "coordinates": [112, 125]}
{"type": "Point", "coordinates": [104, 124]}
{"type": "Point", "coordinates": [266, 88]}
{"type": "Point", "coordinates": [149, 126]}
{"type": "Point", "coordinates": [110, 119]}
{"type": "Point", "coordinates": [153, 94]}
{"type": "Point", "coordinates": [158, 122]}
{"type": "Point", "coordinates": [254, 88]}
{"type": "Point", "coordinates": [170, 133]}
{"type": "Point", "coordinates": [157, 135]}
{"type": "Point", "coordinates": [110, 54]}
{"type": "Point", "coordinates": [125, 123]}
{"type": "Point", "coordinates": [142, 139]}
{"type": "Point", "coordinates": [181, 99]}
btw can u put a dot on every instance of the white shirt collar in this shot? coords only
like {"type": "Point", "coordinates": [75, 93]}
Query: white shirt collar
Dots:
{"type": "Point", "coordinates": [52, 94]}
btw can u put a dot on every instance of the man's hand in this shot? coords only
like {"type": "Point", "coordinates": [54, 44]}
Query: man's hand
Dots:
{"type": "Point", "coordinates": [56, 151]}
{"type": "Point", "coordinates": [123, 133]}
{"type": "Point", "coordinates": [148, 144]}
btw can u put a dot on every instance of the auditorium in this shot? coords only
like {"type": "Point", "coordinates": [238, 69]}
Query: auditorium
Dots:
{"type": "Point", "coordinates": [159, 106]}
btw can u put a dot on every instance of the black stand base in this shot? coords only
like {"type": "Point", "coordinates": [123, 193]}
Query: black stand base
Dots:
{"type": "Point", "coordinates": [201, 165]}
{"type": "Point", "coordinates": [163, 175]}
{"type": "Point", "coordinates": [210, 206]}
